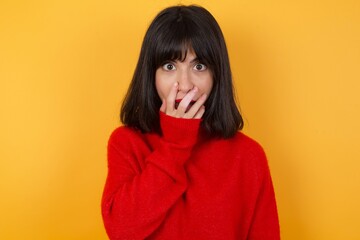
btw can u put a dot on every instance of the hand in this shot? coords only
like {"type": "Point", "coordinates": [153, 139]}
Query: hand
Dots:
{"type": "Point", "coordinates": [196, 111]}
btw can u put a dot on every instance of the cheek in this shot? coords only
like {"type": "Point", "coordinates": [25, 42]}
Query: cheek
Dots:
{"type": "Point", "coordinates": [162, 86]}
{"type": "Point", "coordinates": [208, 84]}
{"type": "Point", "coordinates": [159, 89]}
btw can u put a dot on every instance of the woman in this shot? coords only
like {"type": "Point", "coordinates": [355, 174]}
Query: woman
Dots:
{"type": "Point", "coordinates": [179, 168]}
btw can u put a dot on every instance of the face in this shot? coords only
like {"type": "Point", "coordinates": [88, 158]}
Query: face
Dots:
{"type": "Point", "coordinates": [188, 74]}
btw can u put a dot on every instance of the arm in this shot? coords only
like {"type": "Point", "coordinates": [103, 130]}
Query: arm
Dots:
{"type": "Point", "coordinates": [135, 202]}
{"type": "Point", "coordinates": [265, 222]}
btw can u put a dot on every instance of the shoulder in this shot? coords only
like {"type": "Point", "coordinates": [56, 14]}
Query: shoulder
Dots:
{"type": "Point", "coordinates": [125, 136]}
{"type": "Point", "coordinates": [240, 146]}
{"type": "Point", "coordinates": [128, 144]}
{"type": "Point", "coordinates": [123, 131]}
{"type": "Point", "coordinates": [245, 143]}
{"type": "Point", "coordinates": [128, 139]}
{"type": "Point", "coordinates": [248, 149]}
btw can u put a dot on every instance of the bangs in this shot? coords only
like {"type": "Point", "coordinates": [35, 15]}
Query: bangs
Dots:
{"type": "Point", "coordinates": [171, 50]}
{"type": "Point", "coordinates": [180, 38]}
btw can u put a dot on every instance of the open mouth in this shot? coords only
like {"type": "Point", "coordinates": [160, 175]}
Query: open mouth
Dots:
{"type": "Point", "coordinates": [177, 102]}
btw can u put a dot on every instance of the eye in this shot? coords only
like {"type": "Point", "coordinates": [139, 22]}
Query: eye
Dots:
{"type": "Point", "coordinates": [169, 67]}
{"type": "Point", "coordinates": [200, 67]}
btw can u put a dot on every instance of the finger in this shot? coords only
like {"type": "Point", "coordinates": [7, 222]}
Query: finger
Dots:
{"type": "Point", "coordinates": [163, 106]}
{"type": "Point", "coordinates": [200, 113]}
{"type": "Point", "coordinates": [170, 100]}
{"type": "Point", "coordinates": [196, 107]}
{"type": "Point", "coordinates": [183, 105]}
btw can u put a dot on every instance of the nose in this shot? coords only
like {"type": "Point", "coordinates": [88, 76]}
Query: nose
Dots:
{"type": "Point", "coordinates": [184, 80]}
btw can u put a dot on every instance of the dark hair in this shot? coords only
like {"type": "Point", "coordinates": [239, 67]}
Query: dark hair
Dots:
{"type": "Point", "coordinates": [173, 31]}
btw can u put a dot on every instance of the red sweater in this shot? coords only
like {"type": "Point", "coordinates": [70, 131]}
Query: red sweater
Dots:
{"type": "Point", "coordinates": [182, 185]}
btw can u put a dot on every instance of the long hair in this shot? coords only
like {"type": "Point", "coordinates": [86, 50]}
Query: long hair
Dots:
{"type": "Point", "coordinates": [174, 30]}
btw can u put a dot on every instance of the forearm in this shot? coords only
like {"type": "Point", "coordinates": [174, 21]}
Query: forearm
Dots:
{"type": "Point", "coordinates": [134, 208]}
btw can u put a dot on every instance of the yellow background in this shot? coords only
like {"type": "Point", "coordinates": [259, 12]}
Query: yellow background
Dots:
{"type": "Point", "coordinates": [64, 69]}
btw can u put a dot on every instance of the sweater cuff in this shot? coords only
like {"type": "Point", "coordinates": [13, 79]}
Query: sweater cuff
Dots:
{"type": "Point", "coordinates": [179, 131]}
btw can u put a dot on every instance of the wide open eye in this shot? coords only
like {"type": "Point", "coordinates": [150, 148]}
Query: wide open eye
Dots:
{"type": "Point", "coordinates": [200, 67]}
{"type": "Point", "coordinates": [169, 67]}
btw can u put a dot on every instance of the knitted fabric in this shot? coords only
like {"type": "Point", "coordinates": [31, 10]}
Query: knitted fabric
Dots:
{"type": "Point", "coordinates": [182, 185]}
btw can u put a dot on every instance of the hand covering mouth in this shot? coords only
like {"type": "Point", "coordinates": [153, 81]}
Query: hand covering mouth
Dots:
{"type": "Point", "coordinates": [177, 102]}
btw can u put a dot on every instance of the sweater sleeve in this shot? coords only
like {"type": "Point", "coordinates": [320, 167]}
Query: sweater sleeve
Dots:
{"type": "Point", "coordinates": [265, 222]}
{"type": "Point", "coordinates": [135, 202]}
